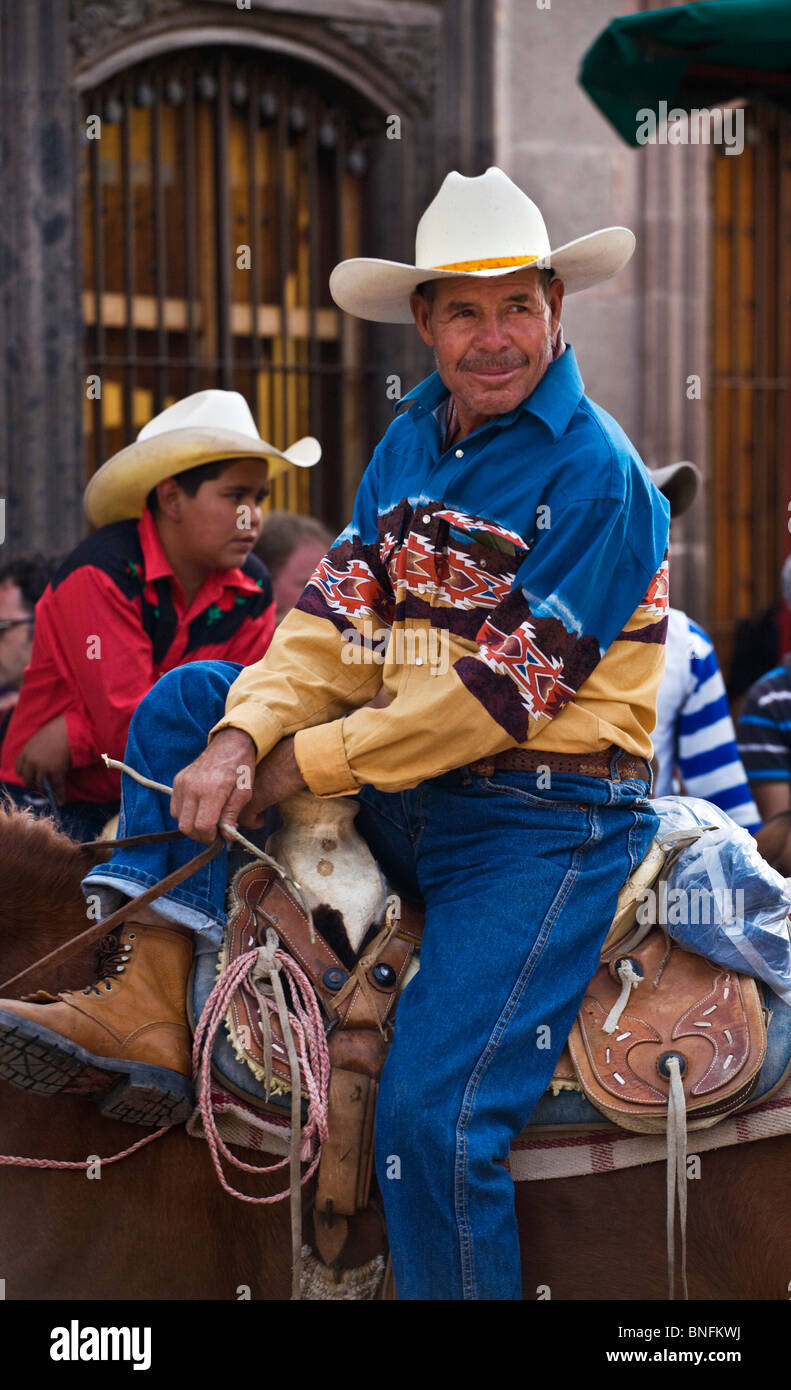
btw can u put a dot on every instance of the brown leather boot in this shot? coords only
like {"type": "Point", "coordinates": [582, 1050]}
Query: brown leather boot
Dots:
{"type": "Point", "coordinates": [123, 1041]}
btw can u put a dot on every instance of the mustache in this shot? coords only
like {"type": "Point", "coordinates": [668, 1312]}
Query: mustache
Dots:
{"type": "Point", "coordinates": [492, 364]}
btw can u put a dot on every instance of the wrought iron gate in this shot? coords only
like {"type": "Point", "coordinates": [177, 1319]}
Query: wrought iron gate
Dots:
{"type": "Point", "coordinates": [218, 190]}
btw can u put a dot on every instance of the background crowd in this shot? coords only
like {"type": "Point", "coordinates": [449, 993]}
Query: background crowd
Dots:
{"type": "Point", "coordinates": [697, 751]}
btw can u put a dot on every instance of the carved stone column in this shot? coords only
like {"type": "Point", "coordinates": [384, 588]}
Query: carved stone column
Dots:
{"type": "Point", "coordinates": [674, 376]}
{"type": "Point", "coordinates": [40, 332]}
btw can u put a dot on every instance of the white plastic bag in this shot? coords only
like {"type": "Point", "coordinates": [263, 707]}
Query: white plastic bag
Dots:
{"type": "Point", "coordinates": [722, 899]}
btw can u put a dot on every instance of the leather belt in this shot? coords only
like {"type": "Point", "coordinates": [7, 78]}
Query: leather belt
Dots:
{"type": "Point", "coordinates": [577, 764]}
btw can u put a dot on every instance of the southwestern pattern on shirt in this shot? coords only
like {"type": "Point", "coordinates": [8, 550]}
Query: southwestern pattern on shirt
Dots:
{"type": "Point", "coordinates": [534, 542]}
{"type": "Point", "coordinates": [657, 598]}
{"type": "Point", "coordinates": [349, 586]}
{"type": "Point", "coordinates": [654, 606]}
{"type": "Point", "coordinates": [526, 668]}
{"type": "Point", "coordinates": [441, 566]}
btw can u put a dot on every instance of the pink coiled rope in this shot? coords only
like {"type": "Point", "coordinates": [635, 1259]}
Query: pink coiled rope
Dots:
{"type": "Point", "coordinates": [308, 1028]}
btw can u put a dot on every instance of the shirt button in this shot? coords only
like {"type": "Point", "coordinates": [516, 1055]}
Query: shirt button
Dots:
{"type": "Point", "coordinates": [482, 564]}
{"type": "Point", "coordinates": [418, 661]}
{"type": "Point", "coordinates": [427, 520]}
{"type": "Point", "coordinates": [459, 453]}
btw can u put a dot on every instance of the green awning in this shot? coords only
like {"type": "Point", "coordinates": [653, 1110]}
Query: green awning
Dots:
{"type": "Point", "coordinates": [690, 56]}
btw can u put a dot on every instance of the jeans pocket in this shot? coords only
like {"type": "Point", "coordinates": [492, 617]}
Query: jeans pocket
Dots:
{"type": "Point", "coordinates": [641, 833]}
{"type": "Point", "coordinates": [541, 800]}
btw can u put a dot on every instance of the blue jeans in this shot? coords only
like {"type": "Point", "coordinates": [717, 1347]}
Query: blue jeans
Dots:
{"type": "Point", "coordinates": [169, 730]}
{"type": "Point", "coordinates": [520, 886]}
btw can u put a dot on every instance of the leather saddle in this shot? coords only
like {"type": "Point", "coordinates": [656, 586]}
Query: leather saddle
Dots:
{"type": "Point", "coordinates": [648, 1002]}
{"type": "Point", "coordinates": [358, 1004]}
{"type": "Point", "coordinates": [680, 1005]}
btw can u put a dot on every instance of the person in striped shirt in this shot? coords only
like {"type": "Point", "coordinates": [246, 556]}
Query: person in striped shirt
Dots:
{"type": "Point", "coordinates": [694, 738]}
{"type": "Point", "coordinates": [694, 732]}
{"type": "Point", "coordinates": [765, 729]}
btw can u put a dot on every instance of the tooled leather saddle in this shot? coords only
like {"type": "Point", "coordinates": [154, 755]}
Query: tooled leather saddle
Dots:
{"type": "Point", "coordinates": [681, 1005]}
{"type": "Point", "coordinates": [358, 1003]}
{"type": "Point", "coordinates": [676, 1005]}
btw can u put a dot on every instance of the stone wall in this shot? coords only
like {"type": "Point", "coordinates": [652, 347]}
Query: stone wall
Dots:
{"type": "Point", "coordinates": [476, 81]}
{"type": "Point", "coordinates": [640, 335]}
{"type": "Point", "coordinates": [40, 332]}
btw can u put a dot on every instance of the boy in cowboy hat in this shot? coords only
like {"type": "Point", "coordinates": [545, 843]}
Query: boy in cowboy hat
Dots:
{"type": "Point", "coordinates": [168, 577]}
{"type": "Point", "coordinates": [505, 783]}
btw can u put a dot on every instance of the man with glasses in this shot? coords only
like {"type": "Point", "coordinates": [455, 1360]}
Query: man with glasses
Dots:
{"type": "Point", "coordinates": [22, 582]}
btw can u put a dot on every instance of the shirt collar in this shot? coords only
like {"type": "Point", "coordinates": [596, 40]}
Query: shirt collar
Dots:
{"type": "Point", "coordinates": [157, 566]}
{"type": "Point", "coordinates": [155, 562]}
{"type": "Point", "coordinates": [558, 393]}
{"type": "Point", "coordinates": [553, 401]}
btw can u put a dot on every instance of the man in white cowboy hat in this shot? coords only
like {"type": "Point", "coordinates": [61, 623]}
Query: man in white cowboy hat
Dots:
{"type": "Point", "coordinates": [509, 544]}
{"type": "Point", "coordinates": [694, 735]}
{"type": "Point", "coordinates": [168, 577]}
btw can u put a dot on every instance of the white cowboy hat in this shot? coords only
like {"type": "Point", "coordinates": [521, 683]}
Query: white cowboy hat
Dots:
{"type": "Point", "coordinates": [481, 226]}
{"type": "Point", "coordinates": [203, 428]}
{"type": "Point", "coordinates": [679, 482]}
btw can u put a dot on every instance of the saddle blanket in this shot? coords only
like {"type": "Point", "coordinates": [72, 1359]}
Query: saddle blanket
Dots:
{"type": "Point", "coordinates": [552, 1156]}
{"type": "Point", "coordinates": [608, 1147]}
{"type": "Point", "coordinates": [240, 1126]}
{"type": "Point", "coordinates": [566, 1137]}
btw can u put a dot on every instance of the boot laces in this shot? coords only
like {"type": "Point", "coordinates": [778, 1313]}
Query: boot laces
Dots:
{"type": "Point", "coordinates": [112, 957]}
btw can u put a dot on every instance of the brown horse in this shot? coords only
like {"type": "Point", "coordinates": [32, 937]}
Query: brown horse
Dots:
{"type": "Point", "coordinates": [157, 1225]}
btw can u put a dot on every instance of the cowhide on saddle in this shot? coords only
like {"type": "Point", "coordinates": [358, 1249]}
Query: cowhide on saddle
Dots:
{"type": "Point", "coordinates": [357, 991]}
{"type": "Point", "coordinates": [260, 900]}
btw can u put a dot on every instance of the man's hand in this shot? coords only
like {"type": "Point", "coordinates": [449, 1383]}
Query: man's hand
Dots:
{"type": "Point", "coordinates": [278, 776]}
{"type": "Point", "coordinates": [215, 787]}
{"type": "Point", "coordinates": [46, 754]}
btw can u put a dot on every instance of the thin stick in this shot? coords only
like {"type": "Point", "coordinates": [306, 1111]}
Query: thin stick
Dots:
{"type": "Point", "coordinates": [229, 830]}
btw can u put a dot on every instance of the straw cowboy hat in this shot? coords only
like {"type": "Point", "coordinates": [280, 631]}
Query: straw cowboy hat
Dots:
{"type": "Point", "coordinates": [679, 482]}
{"type": "Point", "coordinates": [203, 428]}
{"type": "Point", "coordinates": [480, 227]}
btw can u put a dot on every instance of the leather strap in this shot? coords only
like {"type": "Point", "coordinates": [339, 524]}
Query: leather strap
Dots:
{"type": "Point", "coordinates": [346, 1165]}
{"type": "Point", "coordinates": [123, 913]}
{"type": "Point", "coordinates": [577, 764]}
{"type": "Point", "coordinates": [155, 839]}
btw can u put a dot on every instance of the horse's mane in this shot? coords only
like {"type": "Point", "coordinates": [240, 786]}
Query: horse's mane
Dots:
{"type": "Point", "coordinates": [41, 903]}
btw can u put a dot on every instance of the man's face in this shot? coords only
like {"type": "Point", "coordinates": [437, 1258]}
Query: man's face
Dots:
{"type": "Point", "coordinates": [289, 581]}
{"type": "Point", "coordinates": [492, 338]}
{"type": "Point", "coordinates": [15, 642]}
{"type": "Point", "coordinates": [222, 522]}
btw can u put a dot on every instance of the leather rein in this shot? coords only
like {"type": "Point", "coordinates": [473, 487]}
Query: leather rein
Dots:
{"type": "Point", "coordinates": [100, 929]}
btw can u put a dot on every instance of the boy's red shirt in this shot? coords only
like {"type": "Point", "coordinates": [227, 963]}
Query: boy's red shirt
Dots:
{"type": "Point", "coordinates": [110, 624]}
